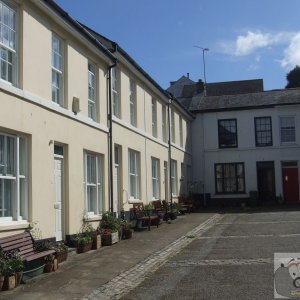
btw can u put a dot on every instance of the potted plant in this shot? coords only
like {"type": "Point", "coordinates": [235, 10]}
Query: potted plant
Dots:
{"type": "Point", "coordinates": [49, 263]}
{"type": "Point", "coordinates": [2, 266]}
{"type": "Point", "coordinates": [109, 229]}
{"type": "Point", "coordinates": [84, 243]}
{"type": "Point", "coordinates": [17, 265]}
{"type": "Point", "coordinates": [61, 252]}
{"type": "Point", "coordinates": [8, 271]}
{"type": "Point", "coordinates": [126, 229]}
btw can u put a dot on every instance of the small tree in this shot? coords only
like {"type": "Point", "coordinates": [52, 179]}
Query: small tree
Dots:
{"type": "Point", "coordinates": [293, 78]}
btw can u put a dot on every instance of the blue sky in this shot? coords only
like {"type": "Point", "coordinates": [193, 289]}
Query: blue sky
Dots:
{"type": "Point", "coordinates": [247, 39]}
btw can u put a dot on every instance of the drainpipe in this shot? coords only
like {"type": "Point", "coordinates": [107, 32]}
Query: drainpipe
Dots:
{"type": "Point", "coordinates": [110, 137]}
{"type": "Point", "coordinates": [170, 153]}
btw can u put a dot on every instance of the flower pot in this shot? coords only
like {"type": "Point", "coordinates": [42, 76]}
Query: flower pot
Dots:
{"type": "Point", "coordinates": [55, 264]}
{"type": "Point", "coordinates": [110, 238]}
{"type": "Point", "coordinates": [127, 234]}
{"type": "Point", "coordinates": [96, 242]}
{"type": "Point", "coordinates": [18, 276]}
{"type": "Point", "coordinates": [9, 283]}
{"type": "Point", "coordinates": [48, 268]}
{"type": "Point", "coordinates": [1, 281]}
{"type": "Point", "coordinates": [81, 248]}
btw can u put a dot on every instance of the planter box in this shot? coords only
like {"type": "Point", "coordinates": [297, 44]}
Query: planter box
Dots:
{"type": "Point", "coordinates": [109, 239]}
{"type": "Point", "coordinates": [81, 248]}
{"type": "Point", "coordinates": [62, 256]}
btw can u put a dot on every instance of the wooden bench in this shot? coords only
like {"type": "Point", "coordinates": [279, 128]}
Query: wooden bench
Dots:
{"type": "Point", "coordinates": [161, 209]}
{"type": "Point", "coordinates": [142, 216]}
{"type": "Point", "coordinates": [185, 204]}
{"type": "Point", "coordinates": [23, 243]}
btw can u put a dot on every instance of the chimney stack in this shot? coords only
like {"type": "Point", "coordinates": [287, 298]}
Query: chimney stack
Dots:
{"type": "Point", "coordinates": [188, 75]}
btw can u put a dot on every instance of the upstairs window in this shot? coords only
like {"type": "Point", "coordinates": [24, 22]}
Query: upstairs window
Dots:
{"type": "Point", "coordinates": [92, 91]}
{"type": "Point", "coordinates": [8, 43]}
{"type": "Point", "coordinates": [115, 92]}
{"type": "Point", "coordinates": [164, 123]}
{"type": "Point", "coordinates": [287, 129]}
{"type": "Point", "coordinates": [154, 117]}
{"type": "Point", "coordinates": [57, 70]}
{"type": "Point", "coordinates": [227, 130]}
{"type": "Point", "coordinates": [132, 101]}
{"type": "Point", "coordinates": [173, 136]}
{"type": "Point", "coordinates": [180, 132]}
{"type": "Point", "coordinates": [263, 131]}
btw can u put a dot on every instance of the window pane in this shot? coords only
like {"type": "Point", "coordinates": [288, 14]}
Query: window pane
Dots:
{"type": "Point", "coordinates": [6, 197]}
{"type": "Point", "coordinates": [227, 133]}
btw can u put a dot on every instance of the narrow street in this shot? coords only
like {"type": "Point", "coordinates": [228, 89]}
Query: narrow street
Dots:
{"type": "Point", "coordinates": [234, 259]}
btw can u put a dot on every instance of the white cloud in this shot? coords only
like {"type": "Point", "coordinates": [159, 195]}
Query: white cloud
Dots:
{"type": "Point", "coordinates": [291, 56]}
{"type": "Point", "coordinates": [253, 40]}
{"type": "Point", "coordinates": [244, 45]}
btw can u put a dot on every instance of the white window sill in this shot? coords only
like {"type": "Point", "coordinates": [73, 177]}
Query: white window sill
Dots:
{"type": "Point", "coordinates": [93, 218]}
{"type": "Point", "coordinates": [132, 201]}
{"type": "Point", "coordinates": [13, 225]}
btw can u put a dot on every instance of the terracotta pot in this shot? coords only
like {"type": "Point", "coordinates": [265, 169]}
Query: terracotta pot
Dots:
{"type": "Point", "coordinates": [55, 264]}
{"type": "Point", "coordinates": [127, 234]}
{"type": "Point", "coordinates": [9, 283]}
{"type": "Point", "coordinates": [48, 268]}
{"type": "Point", "coordinates": [18, 276]}
{"type": "Point", "coordinates": [1, 281]}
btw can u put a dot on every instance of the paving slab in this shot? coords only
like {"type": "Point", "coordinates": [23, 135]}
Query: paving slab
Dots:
{"type": "Point", "coordinates": [82, 274]}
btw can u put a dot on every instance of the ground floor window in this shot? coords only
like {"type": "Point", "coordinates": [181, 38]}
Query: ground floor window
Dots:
{"type": "Point", "coordinates": [230, 178]}
{"type": "Point", "coordinates": [13, 178]}
{"type": "Point", "coordinates": [134, 174]}
{"type": "Point", "coordinates": [174, 176]}
{"type": "Point", "coordinates": [94, 183]}
{"type": "Point", "coordinates": [155, 178]}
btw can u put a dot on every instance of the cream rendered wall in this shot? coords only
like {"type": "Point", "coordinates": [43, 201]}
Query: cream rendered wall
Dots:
{"type": "Point", "coordinates": [36, 56]}
{"type": "Point", "coordinates": [42, 128]}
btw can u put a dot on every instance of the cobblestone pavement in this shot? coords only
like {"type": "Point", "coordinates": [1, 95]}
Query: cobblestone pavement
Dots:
{"type": "Point", "coordinates": [131, 278]}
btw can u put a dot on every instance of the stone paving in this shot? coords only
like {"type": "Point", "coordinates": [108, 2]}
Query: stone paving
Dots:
{"type": "Point", "coordinates": [128, 280]}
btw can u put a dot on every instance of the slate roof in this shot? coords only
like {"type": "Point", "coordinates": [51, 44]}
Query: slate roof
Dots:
{"type": "Point", "coordinates": [201, 103]}
{"type": "Point", "coordinates": [177, 87]}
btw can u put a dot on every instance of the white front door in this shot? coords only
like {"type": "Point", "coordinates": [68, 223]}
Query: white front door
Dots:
{"type": "Point", "coordinates": [58, 204]}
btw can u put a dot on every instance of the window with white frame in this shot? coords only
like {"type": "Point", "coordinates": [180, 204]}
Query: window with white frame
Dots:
{"type": "Point", "coordinates": [93, 184]}
{"type": "Point", "coordinates": [132, 101]}
{"type": "Point", "coordinates": [180, 132]}
{"type": "Point", "coordinates": [287, 129]}
{"type": "Point", "coordinates": [92, 91]}
{"type": "Point", "coordinates": [115, 92]}
{"type": "Point", "coordinates": [134, 174]}
{"type": "Point", "coordinates": [155, 178]}
{"type": "Point", "coordinates": [13, 178]}
{"type": "Point", "coordinates": [164, 123]}
{"type": "Point", "coordinates": [173, 138]}
{"type": "Point", "coordinates": [154, 117]}
{"type": "Point", "coordinates": [57, 70]}
{"type": "Point", "coordinates": [8, 42]}
{"type": "Point", "coordinates": [174, 176]}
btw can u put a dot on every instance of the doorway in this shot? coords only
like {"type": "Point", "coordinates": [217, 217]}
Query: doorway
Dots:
{"type": "Point", "coordinates": [59, 191]}
{"type": "Point", "coordinates": [266, 181]}
{"type": "Point", "coordinates": [117, 180]}
{"type": "Point", "coordinates": [290, 180]}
